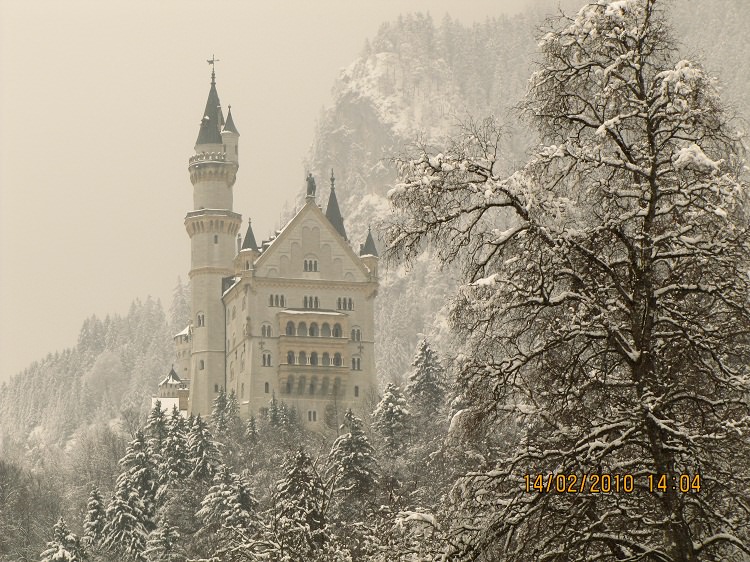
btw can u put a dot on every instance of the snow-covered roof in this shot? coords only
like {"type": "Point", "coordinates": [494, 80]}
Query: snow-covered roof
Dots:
{"type": "Point", "coordinates": [167, 404]}
{"type": "Point", "coordinates": [184, 332]}
{"type": "Point", "coordinates": [171, 378]}
{"type": "Point", "coordinates": [309, 311]}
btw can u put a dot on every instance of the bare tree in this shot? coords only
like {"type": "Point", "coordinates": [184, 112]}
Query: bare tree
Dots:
{"type": "Point", "coordinates": [605, 304]}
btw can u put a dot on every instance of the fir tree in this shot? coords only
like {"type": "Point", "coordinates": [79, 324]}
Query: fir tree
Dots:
{"type": "Point", "coordinates": [391, 419]}
{"type": "Point", "coordinates": [142, 472]}
{"type": "Point", "coordinates": [64, 546]}
{"type": "Point", "coordinates": [156, 432]}
{"type": "Point", "coordinates": [95, 518]}
{"type": "Point", "coordinates": [299, 503]}
{"type": "Point", "coordinates": [219, 413]}
{"type": "Point", "coordinates": [229, 504]}
{"type": "Point", "coordinates": [125, 530]}
{"type": "Point", "coordinates": [164, 545]}
{"type": "Point", "coordinates": [425, 389]}
{"type": "Point", "coordinates": [351, 463]}
{"type": "Point", "coordinates": [203, 452]}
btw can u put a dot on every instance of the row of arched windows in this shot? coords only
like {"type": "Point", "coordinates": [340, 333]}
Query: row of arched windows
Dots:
{"type": "Point", "coordinates": [276, 300]}
{"type": "Point", "coordinates": [323, 387]}
{"type": "Point", "coordinates": [311, 265]}
{"type": "Point", "coordinates": [313, 359]}
{"type": "Point", "coordinates": [311, 302]}
{"type": "Point", "coordinates": [324, 330]}
{"type": "Point", "coordinates": [344, 303]}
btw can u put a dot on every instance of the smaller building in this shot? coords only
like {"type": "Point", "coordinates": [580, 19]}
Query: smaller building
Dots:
{"type": "Point", "coordinates": [173, 392]}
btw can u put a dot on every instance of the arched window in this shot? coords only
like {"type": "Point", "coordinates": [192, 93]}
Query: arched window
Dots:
{"type": "Point", "coordinates": [317, 303]}
{"type": "Point", "coordinates": [283, 301]}
{"type": "Point", "coordinates": [354, 364]}
{"type": "Point", "coordinates": [200, 319]}
{"type": "Point", "coordinates": [276, 300]}
{"type": "Point", "coordinates": [270, 300]}
{"type": "Point", "coordinates": [290, 358]}
{"type": "Point", "coordinates": [216, 238]}
{"type": "Point", "coordinates": [314, 359]}
{"type": "Point", "coordinates": [325, 331]}
{"type": "Point", "coordinates": [266, 388]}
{"type": "Point", "coordinates": [302, 358]}
{"type": "Point", "coordinates": [306, 268]}
{"type": "Point", "coordinates": [350, 304]}
{"type": "Point", "coordinates": [338, 303]}
{"type": "Point", "coordinates": [305, 301]}
{"type": "Point", "coordinates": [312, 386]}
{"type": "Point", "coordinates": [314, 331]}
{"type": "Point", "coordinates": [337, 360]}
{"type": "Point", "coordinates": [337, 330]}
{"type": "Point", "coordinates": [326, 359]}
{"type": "Point", "coordinates": [266, 359]}
{"type": "Point", "coordinates": [302, 329]}
{"type": "Point", "coordinates": [290, 328]}
{"type": "Point", "coordinates": [356, 334]}
{"type": "Point", "coordinates": [289, 384]}
{"type": "Point", "coordinates": [201, 365]}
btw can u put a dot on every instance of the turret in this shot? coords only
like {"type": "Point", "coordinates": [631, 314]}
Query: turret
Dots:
{"type": "Point", "coordinates": [248, 251]}
{"type": "Point", "coordinates": [368, 252]}
{"type": "Point", "coordinates": [229, 137]}
{"type": "Point", "coordinates": [333, 213]}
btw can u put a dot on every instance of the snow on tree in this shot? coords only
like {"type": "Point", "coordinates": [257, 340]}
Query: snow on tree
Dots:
{"type": "Point", "coordinates": [351, 462]}
{"type": "Point", "coordinates": [391, 419]}
{"type": "Point", "coordinates": [64, 546]}
{"type": "Point", "coordinates": [94, 519]}
{"type": "Point", "coordinates": [125, 530]}
{"type": "Point", "coordinates": [175, 463]}
{"type": "Point", "coordinates": [156, 432]}
{"type": "Point", "coordinates": [604, 304]}
{"type": "Point", "coordinates": [218, 413]}
{"type": "Point", "coordinates": [164, 545]}
{"type": "Point", "coordinates": [229, 503]}
{"type": "Point", "coordinates": [142, 472]}
{"type": "Point", "coordinates": [203, 453]}
{"type": "Point", "coordinates": [299, 509]}
{"type": "Point", "coordinates": [426, 386]}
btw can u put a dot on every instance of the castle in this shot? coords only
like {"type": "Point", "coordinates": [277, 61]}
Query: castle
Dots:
{"type": "Point", "coordinates": [292, 317]}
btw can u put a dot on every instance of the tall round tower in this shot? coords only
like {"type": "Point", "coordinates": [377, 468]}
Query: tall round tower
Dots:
{"type": "Point", "coordinates": [212, 227]}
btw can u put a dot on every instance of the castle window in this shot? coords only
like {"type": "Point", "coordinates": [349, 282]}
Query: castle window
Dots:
{"type": "Point", "coordinates": [337, 330]}
{"type": "Point", "coordinates": [283, 301]}
{"type": "Point", "coordinates": [270, 300]}
{"type": "Point", "coordinates": [314, 331]}
{"type": "Point", "coordinates": [350, 304]}
{"type": "Point", "coordinates": [276, 300]}
{"type": "Point", "coordinates": [266, 359]}
{"type": "Point", "coordinates": [290, 358]}
{"type": "Point", "coordinates": [356, 364]}
{"type": "Point", "coordinates": [317, 303]}
{"type": "Point", "coordinates": [337, 360]}
{"type": "Point", "coordinates": [201, 319]}
{"type": "Point", "coordinates": [314, 359]}
{"type": "Point", "coordinates": [356, 334]}
{"type": "Point", "coordinates": [325, 330]}
{"type": "Point", "coordinates": [216, 238]}
{"type": "Point", "coordinates": [201, 365]}
{"type": "Point", "coordinates": [338, 303]}
{"type": "Point", "coordinates": [312, 386]}
{"type": "Point", "coordinates": [326, 359]}
{"type": "Point", "coordinates": [312, 415]}
{"type": "Point", "coordinates": [216, 388]}
{"type": "Point", "coordinates": [302, 358]}
{"type": "Point", "coordinates": [356, 391]}
{"type": "Point", "coordinates": [302, 329]}
{"type": "Point", "coordinates": [267, 387]}
{"type": "Point", "coordinates": [305, 302]}
{"type": "Point", "coordinates": [290, 328]}
{"type": "Point", "coordinates": [247, 265]}
{"type": "Point", "coordinates": [265, 330]}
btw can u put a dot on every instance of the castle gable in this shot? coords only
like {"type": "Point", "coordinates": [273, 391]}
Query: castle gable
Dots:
{"type": "Point", "coordinates": [310, 247]}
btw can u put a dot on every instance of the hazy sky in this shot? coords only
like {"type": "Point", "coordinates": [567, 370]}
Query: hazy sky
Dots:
{"type": "Point", "coordinates": [100, 104]}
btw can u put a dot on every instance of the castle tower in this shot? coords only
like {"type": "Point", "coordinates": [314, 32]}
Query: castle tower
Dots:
{"type": "Point", "coordinates": [212, 227]}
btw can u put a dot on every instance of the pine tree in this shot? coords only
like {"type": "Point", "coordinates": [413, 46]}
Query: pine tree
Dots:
{"type": "Point", "coordinates": [425, 389]}
{"type": "Point", "coordinates": [142, 472]}
{"type": "Point", "coordinates": [229, 504]}
{"type": "Point", "coordinates": [351, 463]}
{"type": "Point", "coordinates": [251, 431]}
{"type": "Point", "coordinates": [203, 453]}
{"type": "Point", "coordinates": [64, 546]}
{"type": "Point", "coordinates": [125, 532]}
{"type": "Point", "coordinates": [164, 545]}
{"type": "Point", "coordinates": [175, 462]}
{"type": "Point", "coordinates": [299, 503]}
{"type": "Point", "coordinates": [219, 413]}
{"type": "Point", "coordinates": [391, 419]}
{"type": "Point", "coordinates": [95, 518]}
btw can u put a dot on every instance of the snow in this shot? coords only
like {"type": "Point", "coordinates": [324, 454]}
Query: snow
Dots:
{"type": "Point", "coordinates": [184, 332]}
{"type": "Point", "coordinates": [316, 311]}
{"type": "Point", "coordinates": [692, 156]}
{"type": "Point", "coordinates": [485, 281]}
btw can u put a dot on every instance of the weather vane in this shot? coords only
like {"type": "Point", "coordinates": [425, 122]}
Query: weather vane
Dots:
{"type": "Point", "coordinates": [212, 61]}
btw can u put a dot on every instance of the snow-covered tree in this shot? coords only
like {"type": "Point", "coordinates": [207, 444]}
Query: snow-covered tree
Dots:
{"type": "Point", "coordinates": [351, 463]}
{"type": "Point", "coordinates": [229, 503]}
{"type": "Point", "coordinates": [604, 305]}
{"type": "Point", "coordinates": [64, 546]}
{"type": "Point", "coordinates": [203, 452]}
{"type": "Point", "coordinates": [142, 472]}
{"type": "Point", "coordinates": [125, 531]}
{"type": "Point", "coordinates": [391, 420]}
{"type": "Point", "coordinates": [218, 413]}
{"type": "Point", "coordinates": [425, 388]}
{"type": "Point", "coordinates": [175, 462]}
{"type": "Point", "coordinates": [94, 520]}
{"type": "Point", "coordinates": [299, 509]}
{"type": "Point", "coordinates": [164, 545]}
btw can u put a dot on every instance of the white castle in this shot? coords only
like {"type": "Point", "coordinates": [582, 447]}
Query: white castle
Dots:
{"type": "Point", "coordinates": [292, 317]}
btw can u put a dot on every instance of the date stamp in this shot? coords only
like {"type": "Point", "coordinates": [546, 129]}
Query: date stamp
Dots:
{"type": "Point", "coordinates": [609, 483]}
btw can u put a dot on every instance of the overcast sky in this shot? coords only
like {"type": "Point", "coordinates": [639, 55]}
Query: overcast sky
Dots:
{"type": "Point", "coordinates": [100, 104]}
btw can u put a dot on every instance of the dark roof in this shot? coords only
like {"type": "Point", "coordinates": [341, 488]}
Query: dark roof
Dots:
{"type": "Point", "coordinates": [369, 248]}
{"type": "Point", "coordinates": [212, 119]}
{"type": "Point", "coordinates": [230, 123]}
{"type": "Point", "coordinates": [333, 214]}
{"type": "Point", "coordinates": [249, 242]}
{"type": "Point", "coordinates": [172, 377]}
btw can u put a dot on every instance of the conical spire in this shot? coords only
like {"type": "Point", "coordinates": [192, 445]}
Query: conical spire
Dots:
{"type": "Point", "coordinates": [213, 118]}
{"type": "Point", "coordinates": [333, 213]}
{"type": "Point", "coordinates": [249, 243]}
{"type": "Point", "coordinates": [230, 123]}
{"type": "Point", "coordinates": [369, 248]}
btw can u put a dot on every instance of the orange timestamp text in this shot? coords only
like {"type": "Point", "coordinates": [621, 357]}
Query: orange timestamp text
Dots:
{"type": "Point", "coordinates": [609, 483]}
